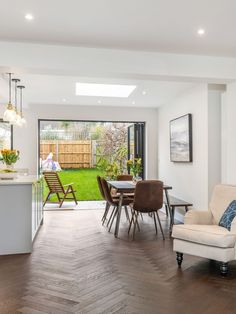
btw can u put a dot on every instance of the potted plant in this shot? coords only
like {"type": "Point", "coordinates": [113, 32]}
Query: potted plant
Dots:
{"type": "Point", "coordinates": [135, 167]}
{"type": "Point", "coordinates": [9, 158]}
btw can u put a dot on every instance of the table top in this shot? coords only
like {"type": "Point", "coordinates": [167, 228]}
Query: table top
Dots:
{"type": "Point", "coordinates": [122, 185]}
{"type": "Point", "coordinates": [129, 185]}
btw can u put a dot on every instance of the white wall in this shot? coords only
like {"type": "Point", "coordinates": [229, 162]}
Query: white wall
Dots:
{"type": "Point", "coordinates": [229, 135]}
{"type": "Point", "coordinates": [26, 139]}
{"type": "Point", "coordinates": [189, 180]}
{"type": "Point", "coordinates": [214, 139]}
{"type": "Point", "coordinates": [224, 142]}
{"type": "Point", "coordinates": [194, 181]}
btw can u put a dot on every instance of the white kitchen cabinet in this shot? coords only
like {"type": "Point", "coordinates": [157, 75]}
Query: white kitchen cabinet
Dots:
{"type": "Point", "coordinates": [21, 213]}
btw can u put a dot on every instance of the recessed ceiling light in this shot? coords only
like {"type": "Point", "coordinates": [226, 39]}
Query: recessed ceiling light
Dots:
{"type": "Point", "coordinates": [29, 17]}
{"type": "Point", "coordinates": [104, 90]}
{"type": "Point", "coordinates": [133, 102]}
{"type": "Point", "coordinates": [201, 32]}
{"type": "Point", "coordinates": [99, 101]}
{"type": "Point", "coordinates": [64, 100]}
{"type": "Point", "coordinates": [144, 92]}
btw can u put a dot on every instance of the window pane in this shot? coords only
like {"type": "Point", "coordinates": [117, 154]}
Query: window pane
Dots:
{"type": "Point", "coordinates": [5, 135]}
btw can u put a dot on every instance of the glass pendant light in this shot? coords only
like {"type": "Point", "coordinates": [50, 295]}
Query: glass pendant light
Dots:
{"type": "Point", "coordinates": [23, 120]}
{"type": "Point", "coordinates": [18, 116]}
{"type": "Point", "coordinates": [10, 113]}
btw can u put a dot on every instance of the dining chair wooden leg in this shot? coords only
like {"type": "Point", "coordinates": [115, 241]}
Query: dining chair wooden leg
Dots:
{"type": "Point", "coordinates": [115, 214]}
{"type": "Point", "coordinates": [111, 216]}
{"type": "Point", "coordinates": [155, 222]}
{"type": "Point", "coordinates": [131, 221]}
{"type": "Point", "coordinates": [135, 223]}
{"type": "Point", "coordinates": [160, 225]}
{"type": "Point", "coordinates": [141, 215]}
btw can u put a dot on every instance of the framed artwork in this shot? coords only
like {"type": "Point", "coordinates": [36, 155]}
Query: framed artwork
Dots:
{"type": "Point", "coordinates": [181, 139]}
{"type": "Point", "coordinates": [6, 135]}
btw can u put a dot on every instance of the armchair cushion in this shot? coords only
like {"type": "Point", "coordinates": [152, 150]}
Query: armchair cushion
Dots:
{"type": "Point", "coordinates": [197, 217]}
{"type": "Point", "coordinates": [228, 216]}
{"type": "Point", "coordinates": [222, 196]}
{"type": "Point", "coordinates": [211, 235]}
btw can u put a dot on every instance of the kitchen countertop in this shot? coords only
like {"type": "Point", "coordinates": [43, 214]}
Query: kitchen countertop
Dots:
{"type": "Point", "coordinates": [30, 179]}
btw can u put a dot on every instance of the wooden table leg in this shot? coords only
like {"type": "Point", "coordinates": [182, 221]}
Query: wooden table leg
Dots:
{"type": "Point", "coordinates": [118, 215]}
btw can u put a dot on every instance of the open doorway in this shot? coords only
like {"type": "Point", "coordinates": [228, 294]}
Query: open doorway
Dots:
{"type": "Point", "coordinates": [81, 150]}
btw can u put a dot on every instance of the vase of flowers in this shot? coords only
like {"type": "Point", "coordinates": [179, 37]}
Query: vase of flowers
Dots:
{"type": "Point", "coordinates": [9, 158]}
{"type": "Point", "coordinates": [135, 167]}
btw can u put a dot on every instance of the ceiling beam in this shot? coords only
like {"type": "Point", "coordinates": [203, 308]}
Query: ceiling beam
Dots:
{"type": "Point", "coordinates": [93, 62]}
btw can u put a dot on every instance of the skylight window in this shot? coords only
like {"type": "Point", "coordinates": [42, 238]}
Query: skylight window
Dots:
{"type": "Point", "coordinates": [104, 90]}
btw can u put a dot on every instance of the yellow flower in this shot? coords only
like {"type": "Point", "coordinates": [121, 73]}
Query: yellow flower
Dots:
{"type": "Point", "coordinates": [130, 162]}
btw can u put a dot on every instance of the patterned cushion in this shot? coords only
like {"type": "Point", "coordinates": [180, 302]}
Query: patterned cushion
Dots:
{"type": "Point", "coordinates": [228, 216]}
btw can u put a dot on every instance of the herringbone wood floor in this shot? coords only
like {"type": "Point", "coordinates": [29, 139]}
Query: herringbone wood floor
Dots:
{"type": "Point", "coordinates": [78, 267]}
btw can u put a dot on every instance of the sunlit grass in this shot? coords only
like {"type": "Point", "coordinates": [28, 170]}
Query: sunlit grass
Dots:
{"type": "Point", "coordinates": [85, 183]}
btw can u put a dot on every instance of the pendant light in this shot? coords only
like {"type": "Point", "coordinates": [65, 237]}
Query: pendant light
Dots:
{"type": "Point", "coordinates": [18, 117]}
{"type": "Point", "coordinates": [10, 113]}
{"type": "Point", "coordinates": [23, 121]}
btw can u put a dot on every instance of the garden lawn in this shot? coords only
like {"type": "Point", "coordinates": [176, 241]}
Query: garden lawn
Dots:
{"type": "Point", "coordinates": [85, 183]}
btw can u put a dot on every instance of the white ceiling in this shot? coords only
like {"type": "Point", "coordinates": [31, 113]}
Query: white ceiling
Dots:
{"type": "Point", "coordinates": [153, 25]}
{"type": "Point", "coordinates": [60, 90]}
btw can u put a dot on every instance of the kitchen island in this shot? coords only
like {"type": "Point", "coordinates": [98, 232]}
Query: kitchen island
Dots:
{"type": "Point", "coordinates": [21, 213]}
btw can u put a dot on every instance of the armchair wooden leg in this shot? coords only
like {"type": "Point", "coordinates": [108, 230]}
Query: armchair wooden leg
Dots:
{"type": "Point", "coordinates": [224, 269]}
{"type": "Point", "coordinates": [179, 258]}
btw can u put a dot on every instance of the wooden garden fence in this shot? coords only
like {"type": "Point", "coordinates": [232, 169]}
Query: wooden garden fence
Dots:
{"type": "Point", "coordinates": [69, 154]}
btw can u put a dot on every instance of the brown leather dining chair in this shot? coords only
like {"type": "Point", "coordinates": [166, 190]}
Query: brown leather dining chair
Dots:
{"type": "Point", "coordinates": [114, 202]}
{"type": "Point", "coordinates": [148, 198]}
{"type": "Point", "coordinates": [99, 181]}
{"type": "Point", "coordinates": [124, 177]}
{"type": "Point", "coordinates": [103, 196]}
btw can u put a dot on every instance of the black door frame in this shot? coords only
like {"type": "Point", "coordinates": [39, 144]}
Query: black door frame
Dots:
{"type": "Point", "coordinates": [104, 121]}
{"type": "Point", "coordinates": [139, 143]}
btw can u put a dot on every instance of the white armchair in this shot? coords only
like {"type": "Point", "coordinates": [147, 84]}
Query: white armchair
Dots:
{"type": "Point", "coordinates": [200, 235]}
